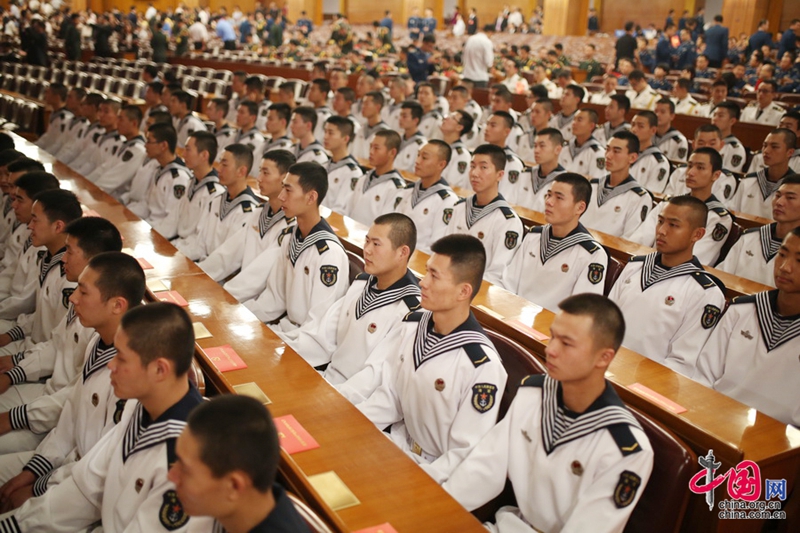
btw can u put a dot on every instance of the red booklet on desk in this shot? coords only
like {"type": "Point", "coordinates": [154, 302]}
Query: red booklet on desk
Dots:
{"type": "Point", "coordinates": [225, 358]}
{"type": "Point", "coordinates": [172, 297]}
{"type": "Point", "coordinates": [294, 438]}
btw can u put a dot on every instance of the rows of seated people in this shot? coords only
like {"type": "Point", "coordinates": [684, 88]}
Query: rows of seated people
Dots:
{"type": "Point", "coordinates": [282, 260]}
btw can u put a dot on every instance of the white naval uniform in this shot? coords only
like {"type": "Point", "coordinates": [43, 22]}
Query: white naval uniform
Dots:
{"type": "Point", "coordinates": [605, 132]}
{"type": "Point", "coordinates": [456, 173]}
{"type": "Point", "coordinates": [359, 148]}
{"type": "Point", "coordinates": [755, 193]}
{"type": "Point", "coordinates": [545, 270]}
{"type": "Point", "coordinates": [17, 238]}
{"type": "Point", "coordinates": [734, 154]}
{"type": "Point", "coordinates": [751, 356]}
{"type": "Point", "coordinates": [497, 226]}
{"type": "Point", "coordinates": [186, 126]}
{"type": "Point", "coordinates": [311, 274]}
{"type": "Point", "coordinates": [390, 113]}
{"type": "Point", "coordinates": [723, 188]}
{"type": "Point", "coordinates": [342, 175]}
{"type": "Point", "coordinates": [122, 481]}
{"type": "Point", "coordinates": [75, 130]}
{"type": "Point", "coordinates": [323, 114]}
{"type": "Point", "coordinates": [651, 169]}
{"type": "Point", "coordinates": [427, 209]}
{"type": "Point", "coordinates": [588, 160]}
{"type": "Point", "coordinates": [103, 147]}
{"type": "Point", "coordinates": [233, 107]}
{"type": "Point", "coordinates": [80, 146]}
{"type": "Point", "coordinates": [223, 218]}
{"type": "Point", "coordinates": [669, 313]}
{"type": "Point", "coordinates": [687, 106]}
{"type": "Point", "coordinates": [374, 195]}
{"type": "Point", "coordinates": [314, 153]}
{"type": "Point", "coordinates": [563, 124]}
{"type": "Point", "coordinates": [170, 184]}
{"type": "Point", "coordinates": [253, 250]}
{"type": "Point", "coordinates": [617, 210]}
{"type": "Point", "coordinates": [753, 255]}
{"type": "Point", "coordinates": [6, 222]}
{"type": "Point", "coordinates": [407, 153]}
{"type": "Point", "coordinates": [758, 162]}
{"type": "Point", "coordinates": [439, 393]}
{"type": "Point", "coordinates": [135, 197]}
{"type": "Point", "coordinates": [525, 145]}
{"type": "Point", "coordinates": [514, 137]}
{"type": "Point", "coordinates": [150, 110]}
{"type": "Point", "coordinates": [430, 124]}
{"type": "Point", "coordinates": [349, 335]}
{"type": "Point", "coordinates": [707, 249]}
{"type": "Point", "coordinates": [531, 192]}
{"type": "Point", "coordinates": [117, 171]}
{"type": "Point", "coordinates": [20, 280]}
{"type": "Point", "coordinates": [673, 144]}
{"type": "Point", "coordinates": [770, 116]}
{"type": "Point", "coordinates": [644, 100]}
{"type": "Point", "coordinates": [263, 112]}
{"type": "Point", "coordinates": [587, 477]}
{"type": "Point", "coordinates": [254, 140]}
{"type": "Point", "coordinates": [194, 203]}
{"type": "Point", "coordinates": [59, 120]}
{"type": "Point", "coordinates": [225, 137]}
{"type": "Point", "coordinates": [515, 172]}
{"type": "Point", "coordinates": [601, 98]}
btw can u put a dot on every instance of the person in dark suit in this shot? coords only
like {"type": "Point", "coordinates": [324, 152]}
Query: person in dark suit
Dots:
{"type": "Point", "coordinates": [664, 49]}
{"type": "Point", "coordinates": [760, 38]}
{"type": "Point", "coordinates": [72, 37]}
{"type": "Point", "coordinates": [790, 38]}
{"type": "Point", "coordinates": [716, 43]}
{"type": "Point", "coordinates": [626, 45]}
{"type": "Point", "coordinates": [37, 44]}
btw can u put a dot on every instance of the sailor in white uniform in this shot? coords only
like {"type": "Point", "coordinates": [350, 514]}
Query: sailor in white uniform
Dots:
{"type": "Point", "coordinates": [615, 112]}
{"type": "Point", "coordinates": [755, 192]}
{"type": "Point", "coordinates": [583, 154]}
{"type": "Point", "coordinates": [255, 94]}
{"type": "Point", "coordinates": [651, 168]}
{"type": "Point", "coordinates": [537, 118]}
{"type": "Point", "coordinates": [560, 258]}
{"type": "Point", "coordinates": [764, 110]}
{"type": "Point", "coordinates": [311, 274]}
{"type": "Point", "coordinates": [304, 120]}
{"type": "Point", "coordinates": [670, 303]}
{"type": "Point", "coordinates": [238, 93]}
{"type": "Point", "coordinates": [318, 98]}
{"type": "Point", "coordinates": [547, 148]}
{"type": "Point", "coordinates": [343, 169]}
{"type": "Point", "coordinates": [752, 353]}
{"type": "Point", "coordinates": [413, 139]}
{"type": "Point", "coordinates": [703, 171]}
{"type": "Point", "coordinates": [115, 173]}
{"type": "Point", "coordinates": [619, 204]}
{"type": "Point", "coordinates": [199, 156]}
{"type": "Point", "coordinates": [672, 143]}
{"type": "Point", "coordinates": [227, 213]}
{"type": "Point", "coordinates": [370, 312]}
{"type": "Point", "coordinates": [81, 144]}
{"type": "Point", "coordinates": [574, 462]}
{"type": "Point", "coordinates": [497, 132]}
{"type": "Point", "coordinates": [375, 193]}
{"type": "Point", "coordinates": [790, 121]}
{"type": "Point", "coordinates": [453, 127]}
{"type": "Point", "coordinates": [55, 96]}
{"type": "Point", "coordinates": [180, 107]}
{"type": "Point", "coordinates": [371, 109]}
{"type": "Point", "coordinates": [571, 98]}
{"type": "Point", "coordinates": [734, 154]}
{"type": "Point", "coordinates": [753, 255]}
{"type": "Point", "coordinates": [105, 485]}
{"type": "Point", "coordinates": [426, 200]}
{"type": "Point", "coordinates": [248, 134]}
{"type": "Point", "coordinates": [431, 122]}
{"type": "Point", "coordinates": [216, 111]}
{"type": "Point", "coordinates": [641, 95]}
{"type": "Point", "coordinates": [75, 127]}
{"type": "Point", "coordinates": [443, 381]}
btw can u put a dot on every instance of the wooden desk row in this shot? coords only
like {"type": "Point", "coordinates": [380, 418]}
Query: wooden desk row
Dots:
{"type": "Point", "coordinates": [712, 420]}
{"type": "Point", "coordinates": [387, 483]}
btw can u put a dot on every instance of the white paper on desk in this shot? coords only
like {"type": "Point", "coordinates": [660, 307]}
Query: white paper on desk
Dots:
{"type": "Point", "coordinates": [157, 285]}
{"type": "Point", "coordinates": [128, 251]}
{"type": "Point", "coordinates": [200, 331]}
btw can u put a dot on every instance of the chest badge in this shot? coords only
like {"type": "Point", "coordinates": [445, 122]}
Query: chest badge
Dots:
{"type": "Point", "coordinates": [372, 327]}
{"type": "Point", "coordinates": [95, 399]}
{"type": "Point", "coordinates": [138, 486]}
{"type": "Point", "coordinates": [669, 300]}
{"type": "Point", "coordinates": [746, 334]}
{"type": "Point", "coordinates": [565, 268]}
{"type": "Point", "coordinates": [439, 384]}
{"type": "Point", "coordinates": [577, 468]}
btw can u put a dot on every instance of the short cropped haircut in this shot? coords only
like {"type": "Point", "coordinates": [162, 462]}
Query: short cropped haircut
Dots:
{"type": "Point", "coordinates": [307, 114]}
{"type": "Point", "coordinates": [94, 235]}
{"type": "Point", "coordinates": [444, 150]}
{"type": "Point", "coordinates": [221, 104]}
{"type": "Point", "coordinates": [467, 258]}
{"type": "Point", "coordinates": [791, 179]}
{"type": "Point", "coordinates": [465, 120]}
{"type": "Point", "coordinates": [252, 107]}
{"type": "Point", "coordinates": [667, 102]}
{"type": "Point", "coordinates": [581, 188]}
{"type": "Point", "coordinates": [119, 275]}
{"type": "Point", "coordinates": [160, 117]}
{"type": "Point", "coordinates": [623, 102]}
{"type": "Point", "coordinates": [496, 154]}
{"type": "Point", "coordinates": [546, 103]}
{"type": "Point", "coordinates": [59, 90]}
{"type": "Point", "coordinates": [25, 164]}
{"type": "Point", "coordinates": [206, 142]}
{"type": "Point", "coordinates": [94, 99]}
{"type": "Point", "coordinates": [630, 139]}
{"type": "Point", "coordinates": [37, 182]}
{"type": "Point", "coordinates": [283, 159]}
{"type": "Point", "coordinates": [732, 108]}
{"type": "Point", "coordinates": [591, 113]}
{"type": "Point", "coordinates": [348, 94]}
{"type": "Point", "coordinates": [284, 111]}
{"type": "Point", "coordinates": [390, 137]}
{"type": "Point", "coordinates": [460, 89]}
{"type": "Point", "coordinates": [608, 322]}
{"type": "Point", "coordinates": [377, 97]}
{"type": "Point", "coordinates": [242, 155]}
{"type": "Point", "coordinates": [636, 75]}
{"type": "Point", "coordinates": [230, 422]}
{"type": "Point", "coordinates": [313, 177]}
{"type": "Point", "coordinates": [183, 97]}
{"type": "Point", "coordinates": [343, 124]}
{"type": "Point", "coordinates": [539, 92]}
{"type": "Point", "coordinates": [402, 231]}
{"type": "Point", "coordinates": [428, 85]}
{"type": "Point", "coordinates": [713, 156]}
{"type": "Point", "coordinates": [555, 135]}
{"type": "Point", "coordinates": [152, 70]}
{"type": "Point", "coordinates": [241, 74]}
{"type": "Point", "coordinates": [160, 330]}
{"type": "Point", "coordinates": [698, 216]}
{"type": "Point", "coordinates": [165, 133]}
{"type": "Point", "coordinates": [503, 92]}
{"type": "Point", "coordinates": [651, 117]}
{"type": "Point", "coordinates": [156, 86]}
{"type": "Point", "coordinates": [416, 109]}
{"type": "Point", "coordinates": [254, 83]}
{"type": "Point", "coordinates": [683, 83]}
{"type": "Point", "coordinates": [322, 84]}
{"type": "Point", "coordinates": [789, 137]}
{"type": "Point", "coordinates": [506, 116]}
{"type": "Point", "coordinates": [8, 156]}
{"type": "Point", "coordinates": [576, 90]}
{"type": "Point", "coordinates": [59, 204]}
{"type": "Point", "coordinates": [133, 113]}
{"type": "Point", "coordinates": [708, 128]}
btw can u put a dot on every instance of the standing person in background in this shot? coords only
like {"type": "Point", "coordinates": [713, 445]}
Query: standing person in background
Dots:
{"type": "Point", "coordinates": [159, 44]}
{"type": "Point", "coordinates": [72, 37]}
{"type": "Point", "coordinates": [477, 58]}
{"type": "Point", "coordinates": [102, 31]}
{"type": "Point", "coordinates": [472, 22]}
{"type": "Point", "coordinates": [716, 43]}
{"type": "Point", "coordinates": [594, 22]}
{"type": "Point", "coordinates": [626, 45]}
{"type": "Point", "coordinates": [226, 33]}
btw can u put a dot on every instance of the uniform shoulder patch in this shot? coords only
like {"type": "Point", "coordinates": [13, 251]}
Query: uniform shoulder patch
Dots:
{"type": "Point", "coordinates": [627, 486]}
{"type": "Point", "coordinates": [171, 515]}
{"type": "Point", "coordinates": [447, 215]}
{"type": "Point", "coordinates": [719, 233]}
{"type": "Point", "coordinates": [512, 238]}
{"type": "Point", "coordinates": [536, 229]}
{"type": "Point", "coordinates": [247, 207]}
{"type": "Point", "coordinates": [596, 271]}
{"type": "Point", "coordinates": [399, 183]}
{"type": "Point", "coordinates": [127, 156]}
{"type": "Point", "coordinates": [626, 441]}
{"type": "Point", "coordinates": [595, 147]}
{"type": "Point", "coordinates": [328, 275]}
{"type": "Point", "coordinates": [211, 187]}
{"type": "Point", "coordinates": [707, 281]}
{"type": "Point", "coordinates": [322, 247]}
{"type": "Point", "coordinates": [637, 258]}
{"type": "Point", "coordinates": [590, 246]}
{"type": "Point", "coordinates": [414, 316]}
{"type": "Point", "coordinates": [534, 380]}
{"type": "Point", "coordinates": [443, 193]}
{"type": "Point", "coordinates": [744, 299]}
{"type": "Point", "coordinates": [65, 294]}
{"type": "Point", "coordinates": [483, 397]}
{"type": "Point", "coordinates": [475, 353]}
{"type": "Point", "coordinates": [659, 156]}
{"type": "Point", "coordinates": [178, 191]}
{"type": "Point", "coordinates": [710, 317]}
{"type": "Point", "coordinates": [507, 211]}
{"type": "Point", "coordinates": [639, 190]}
{"type": "Point", "coordinates": [352, 166]}
{"type": "Point", "coordinates": [419, 141]}
{"type": "Point", "coordinates": [362, 277]}
{"type": "Point", "coordinates": [284, 232]}
{"type": "Point", "coordinates": [412, 302]}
